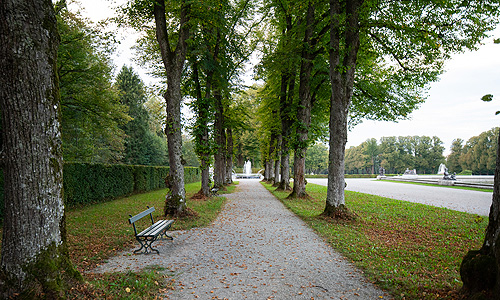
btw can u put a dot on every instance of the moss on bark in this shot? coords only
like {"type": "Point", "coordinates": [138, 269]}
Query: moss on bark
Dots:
{"type": "Point", "coordinates": [48, 276]}
{"type": "Point", "coordinates": [479, 274]}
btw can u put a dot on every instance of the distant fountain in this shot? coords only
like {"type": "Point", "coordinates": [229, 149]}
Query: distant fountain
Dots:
{"type": "Point", "coordinates": [247, 171]}
{"type": "Point", "coordinates": [442, 169]}
{"type": "Point", "coordinates": [247, 168]}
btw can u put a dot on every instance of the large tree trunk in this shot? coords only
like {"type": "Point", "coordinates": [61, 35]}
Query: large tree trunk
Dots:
{"type": "Point", "coordinates": [34, 258]}
{"type": "Point", "coordinates": [304, 109]}
{"type": "Point", "coordinates": [480, 269]}
{"type": "Point", "coordinates": [173, 61]}
{"type": "Point", "coordinates": [342, 88]}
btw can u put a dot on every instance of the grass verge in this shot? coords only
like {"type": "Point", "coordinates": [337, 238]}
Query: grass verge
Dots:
{"type": "Point", "coordinates": [411, 250]}
{"type": "Point", "coordinates": [445, 186]}
{"type": "Point", "coordinates": [100, 231]}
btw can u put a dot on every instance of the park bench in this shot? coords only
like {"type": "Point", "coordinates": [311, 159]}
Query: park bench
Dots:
{"type": "Point", "coordinates": [152, 233]}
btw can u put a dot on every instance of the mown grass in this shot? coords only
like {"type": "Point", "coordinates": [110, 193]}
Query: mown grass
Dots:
{"type": "Point", "coordinates": [98, 232]}
{"type": "Point", "coordinates": [411, 250]}
{"type": "Point", "coordinates": [445, 186]}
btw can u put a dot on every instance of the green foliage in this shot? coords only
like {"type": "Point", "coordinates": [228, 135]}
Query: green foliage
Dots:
{"type": "Point", "coordinates": [246, 135]}
{"type": "Point", "coordinates": [479, 153]}
{"type": "Point", "coordinates": [144, 144]}
{"type": "Point", "coordinates": [86, 184]}
{"type": "Point", "coordinates": [91, 183]}
{"type": "Point", "coordinates": [395, 155]}
{"type": "Point", "coordinates": [188, 152]}
{"type": "Point", "coordinates": [453, 159]}
{"type": "Point", "coordinates": [487, 98]}
{"type": "Point", "coordinates": [465, 172]}
{"type": "Point", "coordinates": [91, 112]}
{"type": "Point", "coordinates": [317, 159]}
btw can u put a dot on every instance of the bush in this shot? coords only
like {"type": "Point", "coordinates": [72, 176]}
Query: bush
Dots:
{"type": "Point", "coordinates": [86, 184]}
{"type": "Point", "coordinates": [465, 172]}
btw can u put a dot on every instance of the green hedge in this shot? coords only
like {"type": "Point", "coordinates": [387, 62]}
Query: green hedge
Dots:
{"type": "Point", "coordinates": [86, 184]}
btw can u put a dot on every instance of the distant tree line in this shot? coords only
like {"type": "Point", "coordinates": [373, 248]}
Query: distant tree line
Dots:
{"type": "Point", "coordinates": [395, 155]}
{"type": "Point", "coordinates": [424, 154]}
{"type": "Point", "coordinates": [476, 156]}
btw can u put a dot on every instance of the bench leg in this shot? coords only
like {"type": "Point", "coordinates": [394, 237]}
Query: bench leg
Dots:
{"type": "Point", "coordinates": [165, 235]}
{"type": "Point", "coordinates": [146, 244]}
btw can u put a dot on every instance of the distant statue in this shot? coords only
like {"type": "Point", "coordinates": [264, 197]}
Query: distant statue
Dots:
{"type": "Point", "coordinates": [381, 171]}
{"type": "Point", "coordinates": [448, 176]}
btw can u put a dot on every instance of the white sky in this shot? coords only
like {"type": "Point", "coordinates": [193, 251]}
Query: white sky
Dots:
{"type": "Point", "coordinates": [452, 110]}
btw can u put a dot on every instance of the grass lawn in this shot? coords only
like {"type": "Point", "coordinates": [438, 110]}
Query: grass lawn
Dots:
{"type": "Point", "coordinates": [412, 250]}
{"type": "Point", "coordinates": [99, 231]}
{"type": "Point", "coordinates": [445, 186]}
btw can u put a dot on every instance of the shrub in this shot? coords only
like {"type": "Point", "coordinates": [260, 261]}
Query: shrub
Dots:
{"type": "Point", "coordinates": [86, 184]}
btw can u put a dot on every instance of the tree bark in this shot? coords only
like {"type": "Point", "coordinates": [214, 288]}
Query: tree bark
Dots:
{"type": "Point", "coordinates": [173, 61]}
{"type": "Point", "coordinates": [342, 70]}
{"type": "Point", "coordinates": [34, 258]}
{"type": "Point", "coordinates": [286, 100]}
{"type": "Point", "coordinates": [270, 157]}
{"type": "Point", "coordinates": [480, 269]}
{"type": "Point", "coordinates": [276, 176]}
{"type": "Point", "coordinates": [229, 158]}
{"type": "Point", "coordinates": [220, 139]}
{"type": "Point", "coordinates": [304, 109]}
{"type": "Point", "coordinates": [201, 134]}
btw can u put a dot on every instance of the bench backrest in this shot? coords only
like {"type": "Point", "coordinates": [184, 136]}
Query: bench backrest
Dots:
{"type": "Point", "coordinates": [141, 215]}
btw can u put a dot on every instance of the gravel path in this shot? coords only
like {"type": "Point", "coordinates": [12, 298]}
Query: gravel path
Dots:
{"type": "Point", "coordinates": [474, 202]}
{"type": "Point", "coordinates": [256, 249]}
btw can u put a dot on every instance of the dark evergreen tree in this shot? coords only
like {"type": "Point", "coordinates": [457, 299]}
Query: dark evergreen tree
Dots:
{"type": "Point", "coordinates": [142, 146]}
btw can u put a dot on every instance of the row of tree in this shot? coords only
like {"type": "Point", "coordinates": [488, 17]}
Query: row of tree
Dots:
{"type": "Point", "coordinates": [477, 155]}
{"type": "Point", "coordinates": [395, 155]}
{"type": "Point", "coordinates": [325, 63]}
{"type": "Point", "coordinates": [423, 153]}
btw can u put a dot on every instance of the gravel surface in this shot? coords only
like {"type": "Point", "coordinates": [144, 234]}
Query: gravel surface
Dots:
{"type": "Point", "coordinates": [474, 202]}
{"type": "Point", "coordinates": [256, 249]}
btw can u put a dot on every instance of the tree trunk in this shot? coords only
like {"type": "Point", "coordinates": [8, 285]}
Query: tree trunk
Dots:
{"type": "Point", "coordinates": [173, 61]}
{"type": "Point", "coordinates": [285, 170]}
{"type": "Point", "coordinates": [270, 161]}
{"type": "Point", "coordinates": [34, 257]}
{"type": "Point", "coordinates": [480, 269]}
{"type": "Point", "coordinates": [304, 109]}
{"type": "Point", "coordinates": [201, 134]}
{"type": "Point", "coordinates": [342, 88]}
{"type": "Point", "coordinates": [276, 176]}
{"type": "Point", "coordinates": [229, 158]}
{"type": "Point", "coordinates": [286, 101]}
{"type": "Point", "coordinates": [220, 139]}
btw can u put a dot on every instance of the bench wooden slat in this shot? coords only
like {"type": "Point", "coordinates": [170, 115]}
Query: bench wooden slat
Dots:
{"type": "Point", "coordinates": [154, 229]}
{"type": "Point", "coordinates": [140, 215]}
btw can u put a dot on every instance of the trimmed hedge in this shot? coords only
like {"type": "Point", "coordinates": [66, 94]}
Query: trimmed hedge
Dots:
{"type": "Point", "coordinates": [86, 184]}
